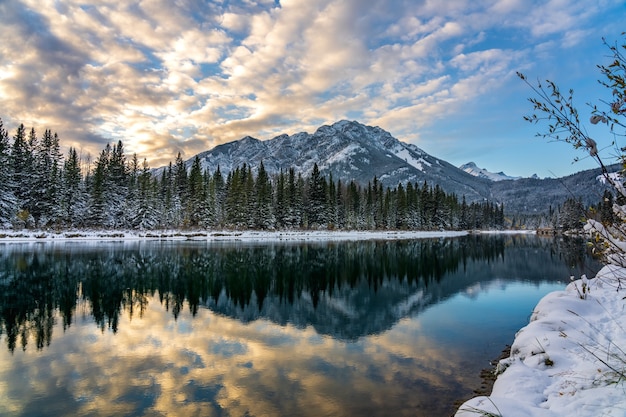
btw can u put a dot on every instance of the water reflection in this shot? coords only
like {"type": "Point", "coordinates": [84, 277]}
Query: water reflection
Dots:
{"type": "Point", "coordinates": [187, 328]}
{"type": "Point", "coordinates": [346, 290]}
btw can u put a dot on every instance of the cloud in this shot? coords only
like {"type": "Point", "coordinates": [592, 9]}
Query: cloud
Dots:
{"type": "Point", "coordinates": [188, 75]}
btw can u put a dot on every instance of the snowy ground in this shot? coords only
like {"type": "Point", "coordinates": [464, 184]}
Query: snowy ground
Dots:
{"type": "Point", "coordinates": [570, 360]}
{"type": "Point", "coordinates": [223, 235]}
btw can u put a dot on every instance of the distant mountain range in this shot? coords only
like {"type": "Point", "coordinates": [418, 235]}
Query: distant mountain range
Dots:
{"type": "Point", "coordinates": [349, 150]}
{"type": "Point", "coordinates": [474, 170]}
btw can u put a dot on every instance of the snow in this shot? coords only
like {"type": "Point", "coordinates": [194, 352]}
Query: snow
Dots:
{"type": "Point", "coordinates": [472, 169]}
{"type": "Point", "coordinates": [222, 235]}
{"type": "Point", "coordinates": [406, 156]}
{"type": "Point", "coordinates": [570, 360]}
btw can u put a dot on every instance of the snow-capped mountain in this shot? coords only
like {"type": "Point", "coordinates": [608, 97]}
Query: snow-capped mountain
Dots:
{"type": "Point", "coordinates": [472, 169]}
{"type": "Point", "coordinates": [352, 151]}
{"type": "Point", "coordinates": [349, 151]}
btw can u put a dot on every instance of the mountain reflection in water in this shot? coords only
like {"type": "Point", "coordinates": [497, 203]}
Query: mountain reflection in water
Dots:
{"type": "Point", "coordinates": [232, 313]}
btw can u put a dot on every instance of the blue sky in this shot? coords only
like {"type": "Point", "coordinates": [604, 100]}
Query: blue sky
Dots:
{"type": "Point", "coordinates": [184, 76]}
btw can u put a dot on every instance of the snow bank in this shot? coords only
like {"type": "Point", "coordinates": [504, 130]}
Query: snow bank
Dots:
{"type": "Point", "coordinates": [223, 235]}
{"type": "Point", "coordinates": [570, 360]}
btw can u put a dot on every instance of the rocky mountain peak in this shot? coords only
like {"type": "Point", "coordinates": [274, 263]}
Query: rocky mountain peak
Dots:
{"type": "Point", "coordinates": [351, 151]}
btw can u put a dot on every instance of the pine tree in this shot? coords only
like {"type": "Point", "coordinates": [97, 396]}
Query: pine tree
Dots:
{"type": "Point", "coordinates": [147, 216]}
{"type": "Point", "coordinates": [117, 187]}
{"type": "Point", "coordinates": [401, 208]}
{"type": "Point", "coordinates": [97, 206]}
{"type": "Point", "coordinates": [236, 198]}
{"type": "Point", "coordinates": [280, 200]}
{"type": "Point", "coordinates": [463, 220]}
{"type": "Point", "coordinates": [170, 207]}
{"type": "Point", "coordinates": [264, 212]}
{"type": "Point", "coordinates": [8, 201]}
{"type": "Point", "coordinates": [249, 206]}
{"type": "Point", "coordinates": [294, 200]}
{"type": "Point", "coordinates": [218, 197]}
{"type": "Point", "coordinates": [197, 203]}
{"type": "Point", "coordinates": [46, 181]}
{"type": "Point", "coordinates": [22, 169]}
{"type": "Point", "coordinates": [73, 195]}
{"type": "Point", "coordinates": [317, 205]}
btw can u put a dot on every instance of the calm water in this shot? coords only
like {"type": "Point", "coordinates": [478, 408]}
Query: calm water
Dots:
{"type": "Point", "coordinates": [333, 329]}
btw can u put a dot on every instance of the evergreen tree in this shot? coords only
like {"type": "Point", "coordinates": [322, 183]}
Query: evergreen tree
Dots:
{"type": "Point", "coordinates": [340, 205]}
{"type": "Point", "coordinates": [97, 213]}
{"type": "Point", "coordinates": [46, 181]}
{"type": "Point", "coordinates": [73, 195]}
{"type": "Point", "coordinates": [236, 198]}
{"type": "Point", "coordinates": [147, 215]}
{"type": "Point", "coordinates": [463, 221]}
{"type": "Point", "coordinates": [8, 201]}
{"type": "Point", "coordinates": [117, 181]}
{"type": "Point", "coordinates": [280, 200]}
{"type": "Point", "coordinates": [22, 169]}
{"type": "Point", "coordinates": [218, 197]}
{"type": "Point", "coordinates": [294, 200]}
{"type": "Point", "coordinates": [402, 208]}
{"type": "Point", "coordinates": [249, 206]}
{"type": "Point", "coordinates": [197, 203]}
{"type": "Point", "coordinates": [180, 177]}
{"type": "Point", "coordinates": [264, 212]}
{"type": "Point", "coordinates": [316, 205]}
{"type": "Point", "coordinates": [572, 215]}
{"type": "Point", "coordinates": [170, 208]}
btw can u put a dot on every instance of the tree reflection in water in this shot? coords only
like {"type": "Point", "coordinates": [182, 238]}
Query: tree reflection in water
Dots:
{"type": "Point", "coordinates": [347, 289]}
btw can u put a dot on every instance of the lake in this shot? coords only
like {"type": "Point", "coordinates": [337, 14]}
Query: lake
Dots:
{"type": "Point", "coordinates": [372, 328]}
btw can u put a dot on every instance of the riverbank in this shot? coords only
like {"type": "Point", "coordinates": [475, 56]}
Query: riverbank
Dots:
{"type": "Point", "coordinates": [223, 235]}
{"type": "Point", "coordinates": [570, 360]}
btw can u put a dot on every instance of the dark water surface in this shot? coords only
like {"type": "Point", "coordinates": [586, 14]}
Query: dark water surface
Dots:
{"type": "Point", "coordinates": [151, 328]}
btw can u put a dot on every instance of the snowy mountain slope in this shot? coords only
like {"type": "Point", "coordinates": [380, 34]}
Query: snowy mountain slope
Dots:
{"type": "Point", "coordinates": [349, 151]}
{"type": "Point", "coordinates": [352, 151]}
{"type": "Point", "coordinates": [472, 169]}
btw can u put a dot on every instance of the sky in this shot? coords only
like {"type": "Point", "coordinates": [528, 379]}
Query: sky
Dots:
{"type": "Point", "coordinates": [183, 76]}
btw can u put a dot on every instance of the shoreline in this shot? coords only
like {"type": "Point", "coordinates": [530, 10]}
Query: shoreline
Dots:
{"type": "Point", "coordinates": [8, 236]}
{"type": "Point", "coordinates": [568, 360]}
{"type": "Point", "coordinates": [488, 378]}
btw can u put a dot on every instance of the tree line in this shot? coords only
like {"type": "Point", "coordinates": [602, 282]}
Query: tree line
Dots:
{"type": "Point", "coordinates": [41, 189]}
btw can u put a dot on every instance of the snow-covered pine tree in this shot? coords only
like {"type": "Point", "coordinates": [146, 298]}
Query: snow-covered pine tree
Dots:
{"type": "Point", "coordinates": [264, 207]}
{"type": "Point", "coordinates": [316, 203]}
{"type": "Point", "coordinates": [118, 187]}
{"type": "Point", "coordinates": [196, 207]}
{"type": "Point", "coordinates": [73, 204]}
{"type": "Point", "coordinates": [22, 170]}
{"type": "Point", "coordinates": [8, 202]}
{"type": "Point", "coordinates": [294, 203]}
{"type": "Point", "coordinates": [147, 215]}
{"type": "Point", "coordinates": [46, 181]}
{"type": "Point", "coordinates": [97, 216]}
{"type": "Point", "coordinates": [280, 199]}
{"type": "Point", "coordinates": [216, 199]}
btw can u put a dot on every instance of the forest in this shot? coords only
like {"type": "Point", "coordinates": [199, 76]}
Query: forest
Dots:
{"type": "Point", "coordinates": [41, 189]}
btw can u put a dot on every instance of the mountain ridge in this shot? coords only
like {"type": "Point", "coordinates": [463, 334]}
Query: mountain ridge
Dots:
{"type": "Point", "coordinates": [351, 151]}
{"type": "Point", "coordinates": [473, 169]}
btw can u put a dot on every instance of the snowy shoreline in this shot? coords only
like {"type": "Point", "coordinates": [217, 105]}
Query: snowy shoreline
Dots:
{"type": "Point", "coordinates": [222, 235]}
{"type": "Point", "coordinates": [570, 360]}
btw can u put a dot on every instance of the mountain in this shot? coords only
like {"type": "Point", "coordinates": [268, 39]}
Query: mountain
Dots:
{"type": "Point", "coordinates": [349, 150]}
{"type": "Point", "coordinates": [474, 170]}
